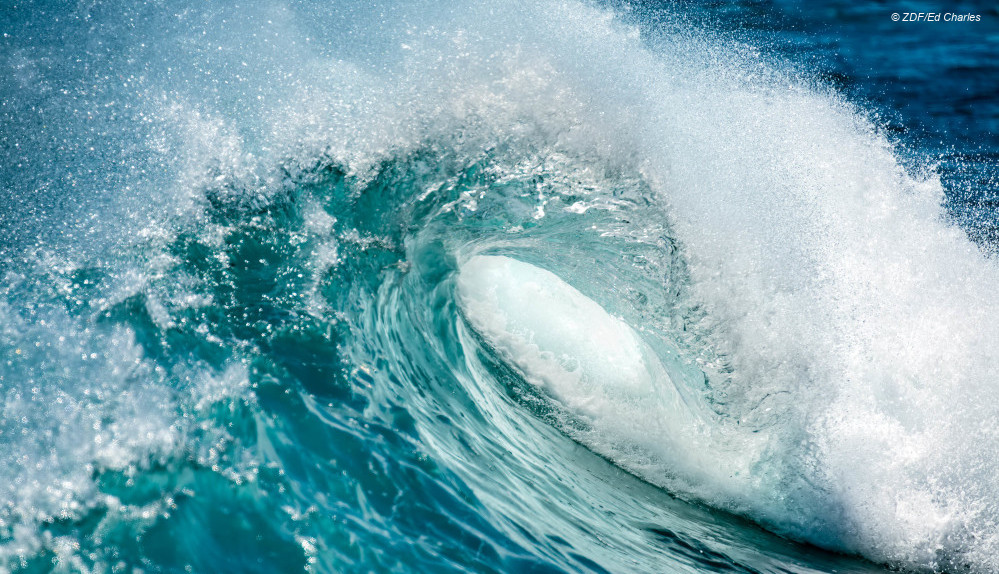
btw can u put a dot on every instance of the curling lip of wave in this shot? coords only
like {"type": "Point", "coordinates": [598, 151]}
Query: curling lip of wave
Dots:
{"type": "Point", "coordinates": [559, 337]}
{"type": "Point", "coordinates": [600, 369]}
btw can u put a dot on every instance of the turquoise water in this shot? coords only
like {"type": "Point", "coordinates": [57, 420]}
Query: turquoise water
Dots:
{"type": "Point", "coordinates": [245, 324]}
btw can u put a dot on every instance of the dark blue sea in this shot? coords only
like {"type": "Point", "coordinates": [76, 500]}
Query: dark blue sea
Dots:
{"type": "Point", "coordinates": [513, 286]}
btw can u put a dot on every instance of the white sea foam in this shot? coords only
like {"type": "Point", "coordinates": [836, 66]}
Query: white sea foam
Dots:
{"type": "Point", "coordinates": [864, 324]}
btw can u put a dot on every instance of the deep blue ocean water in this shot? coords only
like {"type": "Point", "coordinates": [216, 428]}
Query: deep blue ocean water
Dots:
{"type": "Point", "coordinates": [550, 286]}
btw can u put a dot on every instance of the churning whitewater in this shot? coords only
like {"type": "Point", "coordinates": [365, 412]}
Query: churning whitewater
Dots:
{"type": "Point", "coordinates": [504, 287]}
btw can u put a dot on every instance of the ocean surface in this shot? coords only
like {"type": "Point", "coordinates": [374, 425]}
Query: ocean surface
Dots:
{"type": "Point", "coordinates": [533, 287]}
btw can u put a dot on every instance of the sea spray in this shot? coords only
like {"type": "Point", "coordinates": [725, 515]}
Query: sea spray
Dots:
{"type": "Point", "coordinates": [248, 325]}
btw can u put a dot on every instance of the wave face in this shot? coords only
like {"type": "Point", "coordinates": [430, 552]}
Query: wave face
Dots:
{"type": "Point", "coordinates": [264, 302]}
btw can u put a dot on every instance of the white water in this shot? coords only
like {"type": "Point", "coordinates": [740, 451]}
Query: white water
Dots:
{"type": "Point", "coordinates": [634, 407]}
{"type": "Point", "coordinates": [861, 328]}
{"type": "Point", "coordinates": [862, 331]}
{"type": "Point", "coordinates": [560, 337]}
